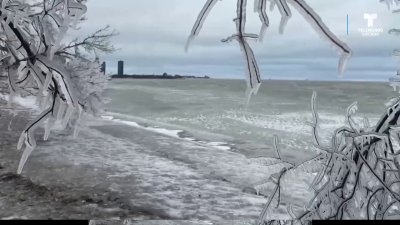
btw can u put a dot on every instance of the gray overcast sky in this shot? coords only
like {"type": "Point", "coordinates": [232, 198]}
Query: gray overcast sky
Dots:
{"type": "Point", "coordinates": [153, 35]}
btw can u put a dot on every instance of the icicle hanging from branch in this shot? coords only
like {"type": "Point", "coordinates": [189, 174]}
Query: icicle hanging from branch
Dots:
{"type": "Point", "coordinates": [36, 57]}
{"type": "Point", "coordinates": [252, 70]}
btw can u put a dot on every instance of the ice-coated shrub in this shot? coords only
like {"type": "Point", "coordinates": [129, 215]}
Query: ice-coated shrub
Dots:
{"type": "Point", "coordinates": [36, 61]}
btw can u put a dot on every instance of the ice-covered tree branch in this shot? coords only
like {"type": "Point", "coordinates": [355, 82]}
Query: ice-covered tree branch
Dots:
{"type": "Point", "coordinates": [66, 85]}
{"type": "Point", "coordinates": [360, 175]}
{"type": "Point", "coordinates": [360, 170]}
{"type": "Point", "coordinates": [252, 69]}
{"type": "Point", "coordinates": [99, 41]}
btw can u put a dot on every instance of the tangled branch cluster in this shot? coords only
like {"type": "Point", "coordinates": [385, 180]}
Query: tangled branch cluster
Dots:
{"type": "Point", "coordinates": [34, 60]}
{"type": "Point", "coordinates": [360, 178]}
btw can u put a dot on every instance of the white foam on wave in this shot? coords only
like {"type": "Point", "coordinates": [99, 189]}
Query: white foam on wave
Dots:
{"type": "Point", "coordinates": [169, 132]}
{"type": "Point", "coordinates": [26, 102]}
{"type": "Point", "coordinates": [293, 122]}
{"type": "Point", "coordinates": [218, 145]}
{"type": "Point", "coordinates": [107, 117]}
{"type": "Point", "coordinates": [287, 122]}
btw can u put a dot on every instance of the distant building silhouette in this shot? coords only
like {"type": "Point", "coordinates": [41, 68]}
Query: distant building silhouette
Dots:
{"type": "Point", "coordinates": [120, 68]}
{"type": "Point", "coordinates": [103, 68]}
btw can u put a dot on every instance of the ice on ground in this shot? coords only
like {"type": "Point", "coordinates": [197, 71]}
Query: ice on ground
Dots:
{"type": "Point", "coordinates": [157, 174]}
{"type": "Point", "coordinates": [145, 170]}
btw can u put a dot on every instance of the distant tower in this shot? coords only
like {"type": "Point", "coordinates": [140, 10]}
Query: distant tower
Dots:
{"type": "Point", "coordinates": [120, 68]}
{"type": "Point", "coordinates": [103, 68]}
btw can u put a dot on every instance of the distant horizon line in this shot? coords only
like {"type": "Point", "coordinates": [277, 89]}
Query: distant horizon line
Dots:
{"type": "Point", "coordinates": [344, 79]}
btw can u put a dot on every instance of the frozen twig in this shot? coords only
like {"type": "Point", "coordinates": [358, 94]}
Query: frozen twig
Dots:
{"type": "Point", "coordinates": [253, 76]}
{"type": "Point", "coordinates": [35, 61]}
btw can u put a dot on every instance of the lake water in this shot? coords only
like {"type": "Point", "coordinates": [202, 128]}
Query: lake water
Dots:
{"type": "Point", "coordinates": [213, 111]}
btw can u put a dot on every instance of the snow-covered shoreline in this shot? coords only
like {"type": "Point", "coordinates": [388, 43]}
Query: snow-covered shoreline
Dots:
{"type": "Point", "coordinates": [118, 171]}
